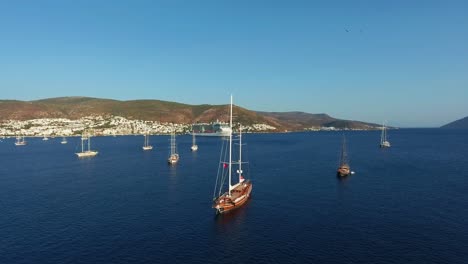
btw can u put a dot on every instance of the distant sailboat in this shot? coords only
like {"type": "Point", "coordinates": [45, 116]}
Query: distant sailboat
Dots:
{"type": "Point", "coordinates": [64, 141]}
{"type": "Point", "coordinates": [239, 193]}
{"type": "Point", "coordinates": [146, 145]}
{"type": "Point", "coordinates": [194, 146]}
{"type": "Point", "coordinates": [20, 141]}
{"type": "Point", "coordinates": [173, 156]}
{"type": "Point", "coordinates": [384, 143]}
{"type": "Point", "coordinates": [45, 138]}
{"type": "Point", "coordinates": [86, 152]}
{"type": "Point", "coordinates": [343, 166]}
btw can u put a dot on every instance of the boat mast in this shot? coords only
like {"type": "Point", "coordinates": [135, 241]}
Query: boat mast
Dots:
{"type": "Point", "coordinates": [173, 142]}
{"type": "Point", "coordinates": [344, 156]}
{"type": "Point", "coordinates": [385, 133]}
{"type": "Point", "coordinates": [230, 149]}
{"type": "Point", "coordinates": [89, 142]}
{"type": "Point", "coordinates": [382, 134]}
{"type": "Point", "coordinates": [82, 142]}
{"type": "Point", "coordinates": [240, 152]}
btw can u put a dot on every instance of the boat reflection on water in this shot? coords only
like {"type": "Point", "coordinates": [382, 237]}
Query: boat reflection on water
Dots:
{"type": "Point", "coordinates": [232, 219]}
{"type": "Point", "coordinates": [345, 179]}
{"type": "Point", "coordinates": [343, 189]}
{"type": "Point", "coordinates": [172, 173]}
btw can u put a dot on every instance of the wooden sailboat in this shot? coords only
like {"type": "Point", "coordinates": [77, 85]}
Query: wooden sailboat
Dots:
{"type": "Point", "coordinates": [194, 146]}
{"type": "Point", "coordinates": [20, 141]}
{"type": "Point", "coordinates": [239, 193]}
{"type": "Point", "coordinates": [384, 143]}
{"type": "Point", "coordinates": [343, 166]}
{"type": "Point", "coordinates": [146, 145]}
{"type": "Point", "coordinates": [173, 156]}
{"type": "Point", "coordinates": [86, 152]}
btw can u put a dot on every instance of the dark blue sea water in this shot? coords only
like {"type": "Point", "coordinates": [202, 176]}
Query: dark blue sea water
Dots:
{"type": "Point", "coordinates": [406, 204]}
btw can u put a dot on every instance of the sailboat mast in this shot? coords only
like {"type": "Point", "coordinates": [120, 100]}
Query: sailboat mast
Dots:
{"type": "Point", "coordinates": [240, 152]}
{"type": "Point", "coordinates": [82, 143]}
{"type": "Point", "coordinates": [382, 134]}
{"type": "Point", "coordinates": [173, 142]}
{"type": "Point", "coordinates": [344, 158]}
{"type": "Point", "coordinates": [385, 134]}
{"type": "Point", "coordinates": [230, 149]}
{"type": "Point", "coordinates": [89, 142]}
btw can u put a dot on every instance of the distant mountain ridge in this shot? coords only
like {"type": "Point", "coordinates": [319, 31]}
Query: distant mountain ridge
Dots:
{"type": "Point", "coordinates": [164, 111]}
{"type": "Point", "coordinates": [301, 120]}
{"type": "Point", "coordinates": [458, 124]}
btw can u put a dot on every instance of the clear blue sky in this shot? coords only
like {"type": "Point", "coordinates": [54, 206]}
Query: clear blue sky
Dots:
{"type": "Point", "coordinates": [401, 61]}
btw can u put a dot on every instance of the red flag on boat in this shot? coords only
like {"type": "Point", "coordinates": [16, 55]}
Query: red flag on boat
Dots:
{"type": "Point", "coordinates": [225, 165]}
{"type": "Point", "coordinates": [241, 179]}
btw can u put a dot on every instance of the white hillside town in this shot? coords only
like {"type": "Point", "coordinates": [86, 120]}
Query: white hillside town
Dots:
{"type": "Point", "coordinates": [100, 125]}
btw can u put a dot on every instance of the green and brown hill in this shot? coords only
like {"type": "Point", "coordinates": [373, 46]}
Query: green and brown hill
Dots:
{"type": "Point", "coordinates": [163, 111]}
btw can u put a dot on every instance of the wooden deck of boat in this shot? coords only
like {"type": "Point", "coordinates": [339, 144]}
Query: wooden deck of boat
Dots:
{"type": "Point", "coordinates": [238, 191]}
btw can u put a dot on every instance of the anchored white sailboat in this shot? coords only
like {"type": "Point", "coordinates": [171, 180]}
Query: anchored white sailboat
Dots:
{"type": "Point", "coordinates": [64, 140]}
{"type": "Point", "coordinates": [384, 143]}
{"type": "Point", "coordinates": [239, 193]}
{"type": "Point", "coordinates": [194, 146]}
{"type": "Point", "coordinates": [20, 141]}
{"type": "Point", "coordinates": [86, 151]}
{"type": "Point", "coordinates": [146, 145]}
{"type": "Point", "coordinates": [173, 156]}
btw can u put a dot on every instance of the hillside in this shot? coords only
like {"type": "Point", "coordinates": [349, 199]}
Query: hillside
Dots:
{"type": "Point", "coordinates": [301, 120]}
{"type": "Point", "coordinates": [163, 111]}
{"type": "Point", "coordinates": [458, 124]}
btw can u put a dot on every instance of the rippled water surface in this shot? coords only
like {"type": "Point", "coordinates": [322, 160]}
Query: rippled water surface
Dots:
{"type": "Point", "coordinates": [406, 204]}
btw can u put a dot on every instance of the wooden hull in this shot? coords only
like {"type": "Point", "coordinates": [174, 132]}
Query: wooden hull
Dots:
{"type": "Point", "coordinates": [340, 174]}
{"type": "Point", "coordinates": [343, 171]}
{"type": "Point", "coordinates": [239, 197]}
